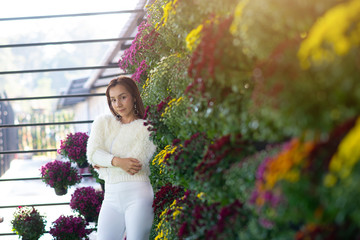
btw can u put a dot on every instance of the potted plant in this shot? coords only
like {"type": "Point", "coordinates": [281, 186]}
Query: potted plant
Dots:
{"type": "Point", "coordinates": [60, 175]}
{"type": "Point", "coordinates": [28, 223]}
{"type": "Point", "coordinates": [74, 148]}
{"type": "Point", "coordinates": [87, 202]}
{"type": "Point", "coordinates": [70, 228]}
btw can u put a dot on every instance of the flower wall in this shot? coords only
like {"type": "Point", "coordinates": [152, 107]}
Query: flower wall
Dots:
{"type": "Point", "coordinates": [254, 106]}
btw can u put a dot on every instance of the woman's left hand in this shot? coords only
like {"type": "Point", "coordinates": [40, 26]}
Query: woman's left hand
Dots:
{"type": "Point", "coordinates": [130, 165]}
{"type": "Point", "coordinates": [98, 166]}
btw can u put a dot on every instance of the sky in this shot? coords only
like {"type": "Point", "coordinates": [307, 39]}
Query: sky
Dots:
{"type": "Point", "coordinates": [23, 8]}
{"type": "Point", "coordinates": [56, 29]}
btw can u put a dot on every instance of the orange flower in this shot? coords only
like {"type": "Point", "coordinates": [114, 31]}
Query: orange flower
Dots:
{"type": "Point", "coordinates": [285, 165]}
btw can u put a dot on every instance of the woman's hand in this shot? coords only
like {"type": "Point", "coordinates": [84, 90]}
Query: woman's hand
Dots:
{"type": "Point", "coordinates": [130, 165]}
{"type": "Point", "coordinates": [98, 166]}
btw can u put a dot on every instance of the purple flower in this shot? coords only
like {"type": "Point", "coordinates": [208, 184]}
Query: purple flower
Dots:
{"type": "Point", "coordinates": [140, 71]}
{"type": "Point", "coordinates": [266, 223]}
{"type": "Point", "coordinates": [74, 147]}
{"type": "Point", "coordinates": [87, 202]}
{"type": "Point", "coordinates": [144, 40]}
{"type": "Point", "coordinates": [262, 168]}
{"type": "Point", "coordinates": [59, 174]}
{"type": "Point", "coordinates": [70, 228]}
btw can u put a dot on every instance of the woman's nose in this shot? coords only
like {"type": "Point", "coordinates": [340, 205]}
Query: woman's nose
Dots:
{"type": "Point", "coordinates": [118, 103]}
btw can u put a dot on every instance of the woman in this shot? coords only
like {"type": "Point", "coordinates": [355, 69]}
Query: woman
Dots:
{"type": "Point", "coordinates": [120, 149]}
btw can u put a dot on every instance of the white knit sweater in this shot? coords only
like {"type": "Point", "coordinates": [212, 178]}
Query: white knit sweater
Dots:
{"type": "Point", "coordinates": [109, 138]}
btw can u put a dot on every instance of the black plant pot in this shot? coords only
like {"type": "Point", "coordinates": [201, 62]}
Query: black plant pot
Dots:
{"type": "Point", "coordinates": [61, 191]}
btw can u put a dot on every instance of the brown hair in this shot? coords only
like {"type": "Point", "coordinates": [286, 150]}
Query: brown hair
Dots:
{"type": "Point", "coordinates": [132, 88]}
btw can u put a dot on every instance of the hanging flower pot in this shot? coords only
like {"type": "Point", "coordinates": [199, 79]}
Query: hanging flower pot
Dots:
{"type": "Point", "coordinates": [74, 148]}
{"type": "Point", "coordinates": [60, 175]}
{"type": "Point", "coordinates": [60, 191]}
{"type": "Point", "coordinates": [70, 227]}
{"type": "Point", "coordinates": [28, 223]}
{"type": "Point", "coordinates": [87, 202]}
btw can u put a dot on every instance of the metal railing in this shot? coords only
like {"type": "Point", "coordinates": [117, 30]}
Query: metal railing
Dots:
{"type": "Point", "coordinates": [56, 69]}
{"type": "Point", "coordinates": [66, 42]}
{"type": "Point", "coordinates": [72, 15]}
{"type": "Point", "coordinates": [36, 44]}
{"type": "Point", "coordinates": [57, 96]}
{"type": "Point", "coordinates": [44, 124]}
{"type": "Point", "coordinates": [85, 175]}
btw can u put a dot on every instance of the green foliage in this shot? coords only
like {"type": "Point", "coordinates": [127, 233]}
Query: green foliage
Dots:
{"type": "Point", "coordinates": [167, 78]}
{"type": "Point", "coordinates": [240, 177]}
{"type": "Point", "coordinates": [185, 160]}
{"type": "Point", "coordinates": [160, 134]}
{"type": "Point", "coordinates": [158, 178]}
{"type": "Point", "coordinates": [267, 71]}
{"type": "Point", "coordinates": [276, 21]}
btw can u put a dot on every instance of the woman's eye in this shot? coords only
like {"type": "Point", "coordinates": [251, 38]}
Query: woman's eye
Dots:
{"type": "Point", "coordinates": [113, 100]}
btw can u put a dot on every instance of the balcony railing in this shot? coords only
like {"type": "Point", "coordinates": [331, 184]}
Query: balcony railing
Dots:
{"type": "Point", "coordinates": [86, 175]}
{"type": "Point", "coordinates": [25, 71]}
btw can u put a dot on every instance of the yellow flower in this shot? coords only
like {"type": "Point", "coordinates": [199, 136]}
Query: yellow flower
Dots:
{"type": "Point", "coordinates": [347, 155]}
{"type": "Point", "coordinates": [193, 38]}
{"type": "Point", "coordinates": [146, 84]}
{"type": "Point", "coordinates": [179, 99]}
{"type": "Point", "coordinates": [176, 212]}
{"type": "Point", "coordinates": [201, 195]}
{"type": "Point", "coordinates": [161, 227]}
{"type": "Point", "coordinates": [330, 180]}
{"type": "Point", "coordinates": [161, 233]}
{"type": "Point", "coordinates": [237, 16]}
{"type": "Point", "coordinates": [335, 164]}
{"type": "Point", "coordinates": [325, 41]}
{"type": "Point", "coordinates": [160, 157]}
{"type": "Point", "coordinates": [173, 102]}
{"type": "Point", "coordinates": [173, 203]}
{"type": "Point", "coordinates": [169, 8]}
{"type": "Point", "coordinates": [292, 176]}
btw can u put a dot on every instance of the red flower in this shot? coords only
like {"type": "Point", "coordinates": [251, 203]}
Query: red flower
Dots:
{"type": "Point", "coordinates": [165, 196]}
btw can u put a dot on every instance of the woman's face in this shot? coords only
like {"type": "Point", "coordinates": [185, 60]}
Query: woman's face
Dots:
{"type": "Point", "coordinates": [122, 101]}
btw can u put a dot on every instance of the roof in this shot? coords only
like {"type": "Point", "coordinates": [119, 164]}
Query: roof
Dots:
{"type": "Point", "coordinates": [76, 87]}
{"type": "Point", "coordinates": [101, 77]}
{"type": "Point", "coordinates": [114, 52]}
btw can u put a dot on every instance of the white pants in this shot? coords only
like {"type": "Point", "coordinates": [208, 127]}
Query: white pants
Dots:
{"type": "Point", "coordinates": [126, 206]}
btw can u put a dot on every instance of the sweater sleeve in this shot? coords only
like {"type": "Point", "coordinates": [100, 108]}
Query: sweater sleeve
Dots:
{"type": "Point", "coordinates": [96, 151]}
{"type": "Point", "coordinates": [147, 147]}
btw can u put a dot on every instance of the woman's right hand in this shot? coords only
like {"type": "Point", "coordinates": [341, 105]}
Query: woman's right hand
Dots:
{"type": "Point", "coordinates": [130, 165]}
